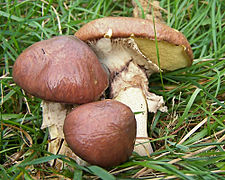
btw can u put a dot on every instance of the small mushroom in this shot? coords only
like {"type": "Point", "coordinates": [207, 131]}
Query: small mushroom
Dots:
{"type": "Point", "coordinates": [127, 47]}
{"type": "Point", "coordinates": [61, 70]}
{"type": "Point", "coordinates": [102, 133]}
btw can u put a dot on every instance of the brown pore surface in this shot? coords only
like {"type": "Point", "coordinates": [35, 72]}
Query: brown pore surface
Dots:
{"type": "Point", "coordinates": [124, 27]}
{"type": "Point", "coordinates": [62, 69]}
{"type": "Point", "coordinates": [102, 133]}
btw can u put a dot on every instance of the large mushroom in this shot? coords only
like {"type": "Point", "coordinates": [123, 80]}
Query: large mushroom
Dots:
{"type": "Point", "coordinates": [61, 70]}
{"type": "Point", "coordinates": [127, 46]}
{"type": "Point", "coordinates": [102, 133]}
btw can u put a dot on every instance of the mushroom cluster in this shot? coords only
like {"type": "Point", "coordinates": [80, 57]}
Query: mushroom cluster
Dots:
{"type": "Point", "coordinates": [65, 72]}
{"type": "Point", "coordinates": [118, 53]}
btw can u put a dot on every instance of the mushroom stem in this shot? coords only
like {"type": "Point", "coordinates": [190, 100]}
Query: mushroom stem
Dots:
{"type": "Point", "coordinates": [136, 100]}
{"type": "Point", "coordinates": [54, 115]}
{"type": "Point", "coordinates": [131, 88]}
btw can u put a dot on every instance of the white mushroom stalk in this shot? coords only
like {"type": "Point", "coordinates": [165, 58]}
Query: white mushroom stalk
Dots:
{"type": "Point", "coordinates": [54, 115]}
{"type": "Point", "coordinates": [53, 118]}
{"type": "Point", "coordinates": [129, 72]}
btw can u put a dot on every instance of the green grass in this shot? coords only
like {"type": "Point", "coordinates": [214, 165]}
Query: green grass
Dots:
{"type": "Point", "coordinates": [189, 140]}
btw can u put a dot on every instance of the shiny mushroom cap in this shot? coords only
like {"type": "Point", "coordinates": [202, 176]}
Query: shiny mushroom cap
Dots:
{"type": "Point", "coordinates": [174, 50]}
{"type": "Point", "coordinates": [61, 69]}
{"type": "Point", "coordinates": [102, 133]}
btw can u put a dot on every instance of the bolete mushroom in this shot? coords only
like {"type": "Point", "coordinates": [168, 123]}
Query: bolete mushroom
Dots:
{"type": "Point", "coordinates": [61, 70]}
{"type": "Point", "coordinates": [127, 47]}
{"type": "Point", "coordinates": [102, 133]}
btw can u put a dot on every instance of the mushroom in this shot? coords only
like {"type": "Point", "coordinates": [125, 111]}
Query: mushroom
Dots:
{"type": "Point", "coordinates": [127, 47]}
{"type": "Point", "coordinates": [61, 70]}
{"type": "Point", "coordinates": [102, 133]}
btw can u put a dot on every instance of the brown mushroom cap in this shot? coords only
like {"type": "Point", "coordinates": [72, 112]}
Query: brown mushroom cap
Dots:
{"type": "Point", "coordinates": [141, 29]}
{"type": "Point", "coordinates": [62, 69]}
{"type": "Point", "coordinates": [102, 133]}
